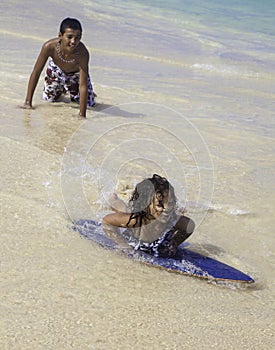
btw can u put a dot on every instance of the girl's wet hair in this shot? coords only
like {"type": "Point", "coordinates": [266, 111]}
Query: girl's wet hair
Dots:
{"type": "Point", "coordinates": [71, 23]}
{"type": "Point", "coordinates": [143, 195]}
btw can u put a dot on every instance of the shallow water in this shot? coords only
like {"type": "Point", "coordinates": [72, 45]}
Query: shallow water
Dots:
{"type": "Point", "coordinates": [176, 96]}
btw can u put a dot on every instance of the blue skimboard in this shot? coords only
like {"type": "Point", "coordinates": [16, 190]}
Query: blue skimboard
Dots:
{"type": "Point", "coordinates": [185, 262]}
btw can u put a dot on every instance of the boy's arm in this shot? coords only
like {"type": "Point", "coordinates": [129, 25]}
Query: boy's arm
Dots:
{"type": "Point", "coordinates": [83, 82]}
{"type": "Point", "coordinates": [34, 77]}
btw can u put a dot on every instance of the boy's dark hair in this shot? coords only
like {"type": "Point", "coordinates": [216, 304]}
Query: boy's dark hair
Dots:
{"type": "Point", "coordinates": [143, 196]}
{"type": "Point", "coordinates": [71, 23]}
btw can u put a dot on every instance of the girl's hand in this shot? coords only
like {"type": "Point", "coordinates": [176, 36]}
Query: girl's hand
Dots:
{"type": "Point", "coordinates": [117, 204]}
{"type": "Point", "coordinates": [181, 211]}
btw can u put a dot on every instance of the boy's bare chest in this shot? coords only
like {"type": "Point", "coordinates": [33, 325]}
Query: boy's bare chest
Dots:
{"type": "Point", "coordinates": [66, 67]}
{"type": "Point", "coordinates": [68, 64]}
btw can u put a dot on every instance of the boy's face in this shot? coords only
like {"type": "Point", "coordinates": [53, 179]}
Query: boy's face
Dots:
{"type": "Point", "coordinates": [70, 39]}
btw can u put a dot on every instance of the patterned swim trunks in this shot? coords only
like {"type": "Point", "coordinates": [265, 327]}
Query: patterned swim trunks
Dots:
{"type": "Point", "coordinates": [56, 83]}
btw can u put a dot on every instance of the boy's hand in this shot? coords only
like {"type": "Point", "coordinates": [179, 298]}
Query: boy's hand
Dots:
{"type": "Point", "coordinates": [26, 105]}
{"type": "Point", "coordinates": [81, 116]}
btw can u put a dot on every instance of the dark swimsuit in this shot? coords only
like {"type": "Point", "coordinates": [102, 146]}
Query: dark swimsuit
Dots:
{"type": "Point", "coordinates": [163, 246]}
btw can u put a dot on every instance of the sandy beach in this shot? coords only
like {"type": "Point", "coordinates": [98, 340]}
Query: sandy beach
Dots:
{"type": "Point", "coordinates": [200, 113]}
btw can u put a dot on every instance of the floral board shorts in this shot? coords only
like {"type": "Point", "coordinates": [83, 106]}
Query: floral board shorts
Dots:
{"type": "Point", "coordinates": [56, 83]}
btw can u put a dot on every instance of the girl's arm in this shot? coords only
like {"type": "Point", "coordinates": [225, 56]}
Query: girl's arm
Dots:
{"type": "Point", "coordinates": [112, 222]}
{"type": "Point", "coordinates": [121, 216]}
{"type": "Point", "coordinates": [117, 219]}
{"type": "Point", "coordinates": [117, 204]}
{"type": "Point", "coordinates": [183, 229]}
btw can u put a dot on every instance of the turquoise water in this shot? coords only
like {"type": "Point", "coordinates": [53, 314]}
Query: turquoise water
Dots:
{"type": "Point", "coordinates": [250, 16]}
{"type": "Point", "coordinates": [227, 48]}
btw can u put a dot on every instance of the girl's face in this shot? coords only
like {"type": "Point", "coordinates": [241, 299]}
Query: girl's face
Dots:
{"type": "Point", "coordinates": [161, 208]}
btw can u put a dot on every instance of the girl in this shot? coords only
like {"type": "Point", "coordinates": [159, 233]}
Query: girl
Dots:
{"type": "Point", "coordinates": [151, 222]}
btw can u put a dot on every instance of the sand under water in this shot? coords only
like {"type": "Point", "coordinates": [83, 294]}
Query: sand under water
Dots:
{"type": "Point", "coordinates": [176, 97]}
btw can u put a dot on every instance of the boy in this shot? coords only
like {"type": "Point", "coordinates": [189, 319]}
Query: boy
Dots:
{"type": "Point", "coordinates": [68, 68]}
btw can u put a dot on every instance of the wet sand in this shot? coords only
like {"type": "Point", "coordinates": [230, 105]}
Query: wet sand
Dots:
{"type": "Point", "coordinates": [60, 291]}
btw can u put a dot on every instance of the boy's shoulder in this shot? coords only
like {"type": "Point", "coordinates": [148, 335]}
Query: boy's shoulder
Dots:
{"type": "Point", "coordinates": [82, 48]}
{"type": "Point", "coordinates": [52, 41]}
{"type": "Point", "coordinates": [82, 54]}
{"type": "Point", "coordinates": [50, 44]}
